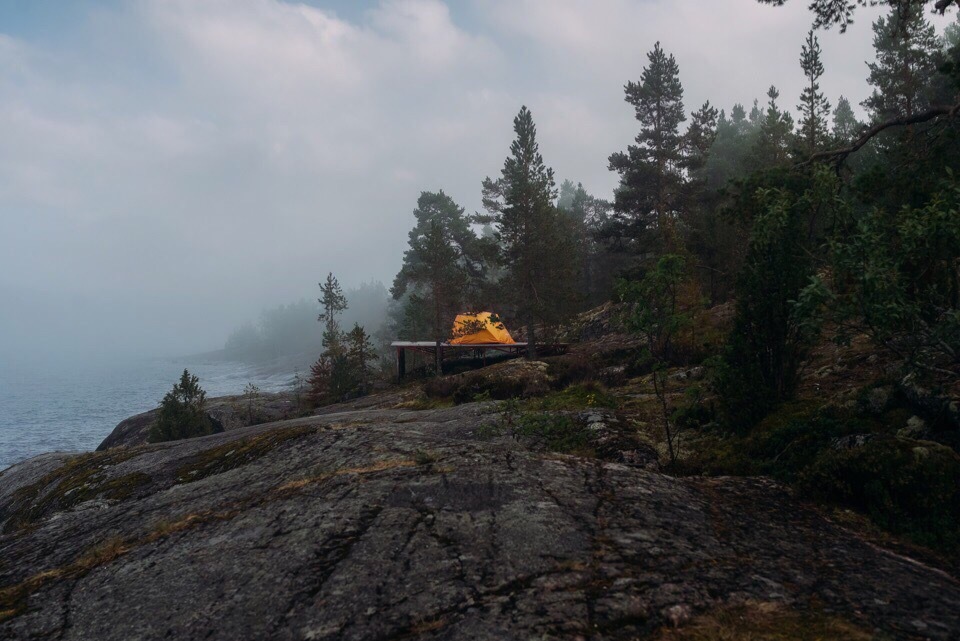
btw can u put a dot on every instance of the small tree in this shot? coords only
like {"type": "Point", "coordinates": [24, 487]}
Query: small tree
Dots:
{"type": "Point", "coordinates": [298, 384]}
{"type": "Point", "coordinates": [333, 303]}
{"type": "Point", "coordinates": [182, 414]}
{"type": "Point", "coordinates": [361, 352]}
{"type": "Point", "coordinates": [771, 334]}
{"type": "Point", "coordinates": [656, 313]}
{"type": "Point", "coordinates": [251, 394]}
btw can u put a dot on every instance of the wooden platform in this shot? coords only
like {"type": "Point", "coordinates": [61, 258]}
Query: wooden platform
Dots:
{"type": "Point", "coordinates": [479, 350]}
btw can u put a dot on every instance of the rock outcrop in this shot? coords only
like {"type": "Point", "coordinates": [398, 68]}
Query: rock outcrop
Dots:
{"type": "Point", "coordinates": [226, 412]}
{"type": "Point", "coordinates": [378, 523]}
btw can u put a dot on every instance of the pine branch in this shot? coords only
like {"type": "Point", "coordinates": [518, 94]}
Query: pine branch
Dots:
{"type": "Point", "coordinates": [942, 5]}
{"type": "Point", "coordinates": [840, 155]}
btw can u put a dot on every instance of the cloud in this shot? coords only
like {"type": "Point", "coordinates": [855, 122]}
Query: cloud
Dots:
{"type": "Point", "coordinates": [185, 162]}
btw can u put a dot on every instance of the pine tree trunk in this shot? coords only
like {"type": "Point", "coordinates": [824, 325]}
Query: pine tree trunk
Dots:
{"type": "Point", "coordinates": [531, 341]}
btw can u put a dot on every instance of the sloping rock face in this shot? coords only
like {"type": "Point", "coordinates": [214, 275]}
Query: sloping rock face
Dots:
{"type": "Point", "coordinates": [226, 412]}
{"type": "Point", "coordinates": [390, 524]}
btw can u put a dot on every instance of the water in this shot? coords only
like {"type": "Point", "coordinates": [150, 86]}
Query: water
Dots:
{"type": "Point", "coordinates": [52, 407]}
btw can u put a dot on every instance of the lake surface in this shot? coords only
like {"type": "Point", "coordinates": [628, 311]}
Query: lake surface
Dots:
{"type": "Point", "coordinates": [56, 407]}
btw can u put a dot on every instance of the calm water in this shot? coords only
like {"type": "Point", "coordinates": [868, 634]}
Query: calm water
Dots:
{"type": "Point", "coordinates": [55, 407]}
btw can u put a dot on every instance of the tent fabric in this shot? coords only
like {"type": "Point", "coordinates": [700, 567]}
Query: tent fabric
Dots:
{"type": "Point", "coordinates": [486, 331]}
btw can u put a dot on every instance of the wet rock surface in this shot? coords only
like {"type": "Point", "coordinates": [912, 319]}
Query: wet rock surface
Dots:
{"type": "Point", "coordinates": [375, 523]}
{"type": "Point", "coordinates": [226, 412]}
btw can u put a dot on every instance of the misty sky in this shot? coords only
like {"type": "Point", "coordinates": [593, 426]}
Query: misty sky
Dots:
{"type": "Point", "coordinates": [169, 167]}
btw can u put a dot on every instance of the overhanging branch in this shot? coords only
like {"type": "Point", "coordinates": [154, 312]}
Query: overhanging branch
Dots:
{"type": "Point", "coordinates": [839, 155]}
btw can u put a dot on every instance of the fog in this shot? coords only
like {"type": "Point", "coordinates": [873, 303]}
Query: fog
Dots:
{"type": "Point", "coordinates": [169, 168]}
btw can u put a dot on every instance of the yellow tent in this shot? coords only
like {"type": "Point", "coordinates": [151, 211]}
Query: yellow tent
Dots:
{"type": "Point", "coordinates": [478, 329]}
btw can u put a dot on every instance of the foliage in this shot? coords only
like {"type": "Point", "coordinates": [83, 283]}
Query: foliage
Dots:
{"type": "Point", "coordinates": [444, 263]}
{"type": "Point", "coordinates": [344, 373]}
{"type": "Point", "coordinates": [771, 333]}
{"type": "Point", "coordinates": [772, 145]}
{"type": "Point", "coordinates": [657, 314]}
{"type": "Point", "coordinates": [906, 44]}
{"type": "Point", "coordinates": [906, 487]}
{"type": "Point", "coordinates": [536, 241]}
{"type": "Point", "coordinates": [182, 413]}
{"type": "Point", "coordinates": [896, 276]}
{"type": "Point", "coordinates": [332, 302]}
{"type": "Point", "coordinates": [557, 432]}
{"type": "Point", "coordinates": [651, 177]}
{"type": "Point", "coordinates": [814, 106]}
{"type": "Point", "coordinates": [251, 395]}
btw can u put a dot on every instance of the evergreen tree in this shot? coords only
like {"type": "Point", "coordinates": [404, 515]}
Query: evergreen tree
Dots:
{"type": "Point", "coordinates": [951, 34]}
{"type": "Point", "coordinates": [535, 240]}
{"type": "Point", "coordinates": [700, 136]}
{"type": "Point", "coordinates": [731, 148]}
{"type": "Point", "coordinates": [441, 260]}
{"type": "Point", "coordinates": [845, 123]}
{"type": "Point", "coordinates": [566, 195]}
{"type": "Point", "coordinates": [333, 302]}
{"type": "Point", "coordinates": [814, 106]}
{"type": "Point", "coordinates": [361, 353]}
{"type": "Point", "coordinates": [182, 412]}
{"type": "Point", "coordinates": [772, 147]}
{"type": "Point", "coordinates": [651, 176]}
{"type": "Point", "coordinates": [906, 46]}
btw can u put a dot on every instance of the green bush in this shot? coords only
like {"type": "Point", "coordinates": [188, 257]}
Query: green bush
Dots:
{"type": "Point", "coordinates": [182, 413]}
{"type": "Point", "coordinates": [907, 487]}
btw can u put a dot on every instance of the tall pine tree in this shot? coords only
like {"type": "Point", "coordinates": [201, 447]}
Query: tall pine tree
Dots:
{"type": "Point", "coordinates": [441, 264]}
{"type": "Point", "coordinates": [333, 303]}
{"type": "Point", "coordinates": [651, 174]}
{"type": "Point", "coordinates": [906, 46]}
{"type": "Point", "coordinates": [535, 239]}
{"type": "Point", "coordinates": [814, 106]}
{"type": "Point", "coordinates": [845, 123]}
{"type": "Point", "coordinates": [772, 147]}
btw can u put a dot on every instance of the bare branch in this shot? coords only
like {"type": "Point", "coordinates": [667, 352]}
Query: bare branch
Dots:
{"type": "Point", "coordinates": [840, 155]}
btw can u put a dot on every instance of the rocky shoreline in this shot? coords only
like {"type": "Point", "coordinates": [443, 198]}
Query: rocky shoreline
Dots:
{"type": "Point", "coordinates": [376, 521]}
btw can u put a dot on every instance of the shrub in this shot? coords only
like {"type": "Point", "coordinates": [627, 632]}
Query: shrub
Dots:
{"type": "Point", "coordinates": [569, 369]}
{"type": "Point", "coordinates": [908, 487]}
{"type": "Point", "coordinates": [182, 414]}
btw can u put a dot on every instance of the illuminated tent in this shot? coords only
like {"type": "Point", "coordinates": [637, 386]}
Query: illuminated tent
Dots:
{"type": "Point", "coordinates": [478, 329]}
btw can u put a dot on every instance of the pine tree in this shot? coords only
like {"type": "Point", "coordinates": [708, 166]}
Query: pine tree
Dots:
{"type": "Point", "coordinates": [535, 240]}
{"type": "Point", "coordinates": [651, 176]}
{"type": "Point", "coordinates": [732, 145]}
{"type": "Point", "coordinates": [182, 412]}
{"type": "Point", "coordinates": [814, 106]}
{"type": "Point", "coordinates": [361, 353]}
{"type": "Point", "coordinates": [700, 136]}
{"type": "Point", "coordinates": [442, 263]}
{"type": "Point", "coordinates": [845, 123]}
{"type": "Point", "coordinates": [906, 45]}
{"type": "Point", "coordinates": [772, 147]}
{"type": "Point", "coordinates": [333, 303]}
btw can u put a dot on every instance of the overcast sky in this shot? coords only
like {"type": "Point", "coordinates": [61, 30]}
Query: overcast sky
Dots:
{"type": "Point", "coordinates": [169, 167]}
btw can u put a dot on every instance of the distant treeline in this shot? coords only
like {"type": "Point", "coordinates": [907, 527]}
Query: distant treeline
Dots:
{"type": "Point", "coordinates": [293, 329]}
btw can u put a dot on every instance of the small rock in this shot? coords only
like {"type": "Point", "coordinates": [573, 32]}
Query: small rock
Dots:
{"type": "Point", "coordinates": [677, 615]}
{"type": "Point", "coordinates": [916, 428]}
